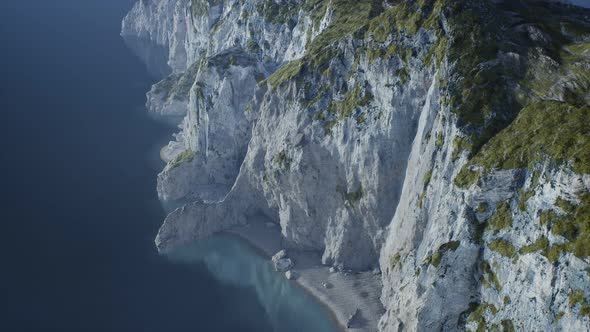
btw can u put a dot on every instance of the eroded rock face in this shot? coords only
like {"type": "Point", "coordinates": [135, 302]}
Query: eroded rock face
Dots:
{"type": "Point", "coordinates": [388, 140]}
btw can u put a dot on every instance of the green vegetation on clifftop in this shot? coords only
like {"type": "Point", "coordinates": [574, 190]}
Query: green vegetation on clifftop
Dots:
{"type": "Point", "coordinates": [542, 110]}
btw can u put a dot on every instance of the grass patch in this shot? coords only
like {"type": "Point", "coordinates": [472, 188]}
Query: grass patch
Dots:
{"type": "Point", "coordinates": [283, 161]}
{"type": "Point", "coordinates": [577, 296]}
{"type": "Point", "coordinates": [285, 73]}
{"type": "Point", "coordinates": [541, 244]}
{"type": "Point", "coordinates": [507, 325]}
{"type": "Point", "coordinates": [503, 247]}
{"type": "Point", "coordinates": [558, 316]}
{"type": "Point", "coordinates": [421, 199]}
{"type": "Point", "coordinates": [352, 99]}
{"type": "Point", "coordinates": [460, 144]}
{"type": "Point", "coordinates": [575, 227]}
{"type": "Point", "coordinates": [436, 258]}
{"type": "Point", "coordinates": [482, 207]}
{"type": "Point", "coordinates": [517, 127]}
{"type": "Point", "coordinates": [524, 196]}
{"type": "Point", "coordinates": [350, 198]}
{"type": "Point", "coordinates": [489, 278]}
{"type": "Point", "coordinates": [427, 178]}
{"type": "Point", "coordinates": [502, 218]}
{"type": "Point", "coordinates": [466, 177]}
{"type": "Point", "coordinates": [477, 314]}
{"type": "Point", "coordinates": [184, 156]}
{"type": "Point", "coordinates": [544, 128]}
{"type": "Point", "coordinates": [546, 217]}
{"type": "Point", "coordinates": [439, 139]}
{"type": "Point", "coordinates": [394, 261]}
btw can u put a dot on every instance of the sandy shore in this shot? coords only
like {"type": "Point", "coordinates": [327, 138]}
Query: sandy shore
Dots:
{"type": "Point", "coordinates": [344, 294]}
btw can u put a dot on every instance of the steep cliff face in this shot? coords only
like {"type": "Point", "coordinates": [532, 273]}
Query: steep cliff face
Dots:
{"type": "Point", "coordinates": [446, 142]}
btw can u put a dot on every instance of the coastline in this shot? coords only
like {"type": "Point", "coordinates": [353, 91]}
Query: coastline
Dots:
{"type": "Point", "coordinates": [346, 292]}
{"type": "Point", "coordinates": [349, 291]}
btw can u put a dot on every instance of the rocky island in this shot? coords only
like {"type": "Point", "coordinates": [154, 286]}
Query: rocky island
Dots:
{"type": "Point", "coordinates": [435, 151]}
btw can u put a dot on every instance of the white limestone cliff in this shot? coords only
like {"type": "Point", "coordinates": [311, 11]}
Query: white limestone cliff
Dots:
{"type": "Point", "coordinates": [355, 156]}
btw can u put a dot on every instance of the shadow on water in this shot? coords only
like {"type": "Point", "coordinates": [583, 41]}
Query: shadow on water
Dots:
{"type": "Point", "coordinates": [154, 56]}
{"type": "Point", "coordinates": [236, 263]}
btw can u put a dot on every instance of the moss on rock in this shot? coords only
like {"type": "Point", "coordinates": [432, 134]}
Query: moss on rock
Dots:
{"type": "Point", "coordinates": [541, 244]}
{"type": "Point", "coordinates": [502, 218]}
{"type": "Point", "coordinates": [436, 257]}
{"type": "Point", "coordinates": [543, 129]}
{"type": "Point", "coordinates": [184, 156]}
{"type": "Point", "coordinates": [503, 247]}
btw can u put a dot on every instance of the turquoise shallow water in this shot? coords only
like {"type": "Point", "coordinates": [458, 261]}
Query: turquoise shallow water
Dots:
{"type": "Point", "coordinates": [236, 263]}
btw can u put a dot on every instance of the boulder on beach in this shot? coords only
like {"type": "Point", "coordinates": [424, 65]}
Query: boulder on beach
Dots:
{"type": "Point", "coordinates": [291, 275]}
{"type": "Point", "coordinates": [281, 262]}
{"type": "Point", "coordinates": [283, 265]}
{"type": "Point", "coordinates": [279, 255]}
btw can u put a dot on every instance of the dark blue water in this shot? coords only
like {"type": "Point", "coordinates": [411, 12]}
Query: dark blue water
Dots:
{"type": "Point", "coordinates": [78, 167]}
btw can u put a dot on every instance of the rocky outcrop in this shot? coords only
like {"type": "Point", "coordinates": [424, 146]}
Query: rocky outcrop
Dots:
{"type": "Point", "coordinates": [444, 142]}
{"type": "Point", "coordinates": [281, 261]}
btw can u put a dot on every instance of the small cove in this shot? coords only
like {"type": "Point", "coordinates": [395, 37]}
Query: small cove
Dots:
{"type": "Point", "coordinates": [235, 262]}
